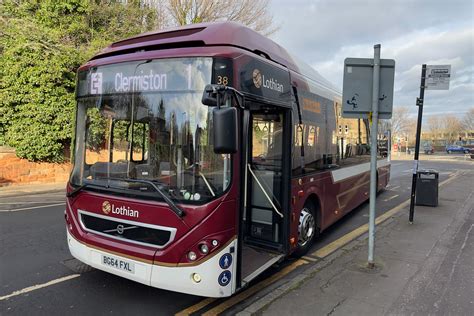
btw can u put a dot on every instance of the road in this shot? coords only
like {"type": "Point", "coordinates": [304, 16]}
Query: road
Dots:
{"type": "Point", "coordinates": [34, 253]}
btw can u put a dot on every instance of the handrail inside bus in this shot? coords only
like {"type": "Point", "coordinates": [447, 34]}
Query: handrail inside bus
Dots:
{"type": "Point", "coordinates": [207, 183]}
{"type": "Point", "coordinates": [264, 192]}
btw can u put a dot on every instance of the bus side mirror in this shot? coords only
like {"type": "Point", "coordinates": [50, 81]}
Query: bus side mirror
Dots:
{"type": "Point", "coordinates": [225, 130]}
{"type": "Point", "coordinates": [209, 96]}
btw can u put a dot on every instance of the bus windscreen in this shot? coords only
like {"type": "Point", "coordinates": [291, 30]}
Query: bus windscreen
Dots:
{"type": "Point", "coordinates": [145, 120]}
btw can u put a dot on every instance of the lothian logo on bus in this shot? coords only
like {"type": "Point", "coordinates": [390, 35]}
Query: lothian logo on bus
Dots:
{"type": "Point", "coordinates": [259, 80]}
{"type": "Point", "coordinates": [108, 208]}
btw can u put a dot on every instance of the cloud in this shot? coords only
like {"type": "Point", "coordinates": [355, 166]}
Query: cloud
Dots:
{"type": "Point", "coordinates": [323, 33]}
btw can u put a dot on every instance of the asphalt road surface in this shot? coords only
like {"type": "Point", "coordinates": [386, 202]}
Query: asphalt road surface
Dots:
{"type": "Point", "coordinates": [34, 259]}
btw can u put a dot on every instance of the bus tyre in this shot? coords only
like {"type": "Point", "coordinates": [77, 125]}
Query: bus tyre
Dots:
{"type": "Point", "coordinates": [308, 230]}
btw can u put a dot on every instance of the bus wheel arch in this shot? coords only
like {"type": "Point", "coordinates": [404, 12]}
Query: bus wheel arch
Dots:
{"type": "Point", "coordinates": [309, 225]}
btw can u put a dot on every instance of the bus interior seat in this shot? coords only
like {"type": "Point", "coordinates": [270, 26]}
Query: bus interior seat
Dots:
{"type": "Point", "coordinates": [165, 168]}
{"type": "Point", "coordinates": [112, 170]}
{"type": "Point", "coordinates": [145, 171]}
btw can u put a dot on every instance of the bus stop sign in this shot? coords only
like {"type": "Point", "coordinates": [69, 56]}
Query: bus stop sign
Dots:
{"type": "Point", "coordinates": [437, 77]}
{"type": "Point", "coordinates": [357, 87]}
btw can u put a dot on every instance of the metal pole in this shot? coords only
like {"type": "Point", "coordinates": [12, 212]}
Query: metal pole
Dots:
{"type": "Point", "coordinates": [373, 153]}
{"type": "Point", "coordinates": [419, 102]}
{"type": "Point", "coordinates": [389, 146]}
{"type": "Point", "coordinates": [406, 145]}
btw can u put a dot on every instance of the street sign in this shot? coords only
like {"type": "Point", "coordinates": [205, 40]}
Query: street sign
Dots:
{"type": "Point", "coordinates": [437, 77]}
{"type": "Point", "coordinates": [357, 87]}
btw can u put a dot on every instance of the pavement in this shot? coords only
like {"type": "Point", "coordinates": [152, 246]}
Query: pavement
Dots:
{"type": "Point", "coordinates": [437, 156]}
{"type": "Point", "coordinates": [421, 268]}
{"type": "Point", "coordinates": [28, 189]}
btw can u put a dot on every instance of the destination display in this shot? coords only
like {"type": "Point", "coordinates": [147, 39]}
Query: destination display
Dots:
{"type": "Point", "coordinates": [313, 107]}
{"type": "Point", "coordinates": [178, 74]}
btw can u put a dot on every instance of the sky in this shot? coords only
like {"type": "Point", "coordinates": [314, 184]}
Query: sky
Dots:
{"type": "Point", "coordinates": [436, 32]}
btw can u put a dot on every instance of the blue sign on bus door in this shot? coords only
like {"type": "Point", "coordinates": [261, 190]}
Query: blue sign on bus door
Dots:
{"type": "Point", "coordinates": [224, 278]}
{"type": "Point", "coordinates": [225, 261]}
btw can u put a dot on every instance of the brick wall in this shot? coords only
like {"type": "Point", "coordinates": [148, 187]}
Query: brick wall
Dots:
{"type": "Point", "coordinates": [14, 170]}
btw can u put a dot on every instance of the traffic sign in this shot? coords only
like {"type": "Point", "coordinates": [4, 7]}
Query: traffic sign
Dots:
{"type": "Point", "coordinates": [437, 77]}
{"type": "Point", "coordinates": [357, 87]}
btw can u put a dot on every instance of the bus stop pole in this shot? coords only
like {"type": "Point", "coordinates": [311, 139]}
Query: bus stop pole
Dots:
{"type": "Point", "coordinates": [419, 103]}
{"type": "Point", "coordinates": [373, 153]}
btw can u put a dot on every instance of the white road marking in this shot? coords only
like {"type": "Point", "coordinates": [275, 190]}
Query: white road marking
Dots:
{"type": "Point", "coordinates": [32, 207]}
{"type": "Point", "coordinates": [39, 286]}
{"type": "Point", "coordinates": [394, 188]}
{"type": "Point", "coordinates": [10, 203]}
{"type": "Point", "coordinates": [391, 198]}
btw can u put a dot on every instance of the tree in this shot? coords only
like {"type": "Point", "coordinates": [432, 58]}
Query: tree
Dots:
{"type": "Point", "coordinates": [400, 122]}
{"type": "Point", "coordinates": [451, 126]}
{"type": "Point", "coordinates": [468, 120]}
{"type": "Point", "coordinates": [435, 126]}
{"type": "Point", "coordinates": [252, 13]}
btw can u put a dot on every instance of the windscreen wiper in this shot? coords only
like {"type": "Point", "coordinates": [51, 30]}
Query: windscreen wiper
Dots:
{"type": "Point", "coordinates": [74, 192]}
{"type": "Point", "coordinates": [176, 209]}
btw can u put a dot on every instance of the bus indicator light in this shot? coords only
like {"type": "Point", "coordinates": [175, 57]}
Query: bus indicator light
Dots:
{"type": "Point", "coordinates": [204, 248]}
{"type": "Point", "coordinates": [192, 256]}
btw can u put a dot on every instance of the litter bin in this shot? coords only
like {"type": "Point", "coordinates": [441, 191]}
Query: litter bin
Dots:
{"type": "Point", "coordinates": [427, 187]}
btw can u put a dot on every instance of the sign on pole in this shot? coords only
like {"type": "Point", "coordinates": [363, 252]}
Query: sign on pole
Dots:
{"type": "Point", "coordinates": [357, 87]}
{"type": "Point", "coordinates": [433, 77]}
{"type": "Point", "coordinates": [437, 77]}
{"type": "Point", "coordinates": [368, 93]}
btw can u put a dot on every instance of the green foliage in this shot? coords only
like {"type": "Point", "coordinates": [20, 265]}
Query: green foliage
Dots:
{"type": "Point", "coordinates": [42, 44]}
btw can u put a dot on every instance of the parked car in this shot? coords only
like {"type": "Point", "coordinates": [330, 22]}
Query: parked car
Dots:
{"type": "Point", "coordinates": [428, 149]}
{"type": "Point", "coordinates": [456, 149]}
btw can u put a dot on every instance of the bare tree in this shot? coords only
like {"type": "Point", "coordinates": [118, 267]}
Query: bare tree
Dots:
{"type": "Point", "coordinates": [400, 120]}
{"type": "Point", "coordinates": [435, 126]}
{"type": "Point", "coordinates": [451, 126]}
{"type": "Point", "coordinates": [410, 130]}
{"type": "Point", "coordinates": [252, 13]}
{"type": "Point", "coordinates": [468, 120]}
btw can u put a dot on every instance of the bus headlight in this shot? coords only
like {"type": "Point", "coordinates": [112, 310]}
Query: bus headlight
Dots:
{"type": "Point", "coordinates": [196, 277]}
{"type": "Point", "coordinates": [204, 248]}
{"type": "Point", "coordinates": [192, 256]}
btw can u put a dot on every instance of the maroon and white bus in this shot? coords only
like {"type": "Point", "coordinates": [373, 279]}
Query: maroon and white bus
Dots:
{"type": "Point", "coordinates": [205, 154]}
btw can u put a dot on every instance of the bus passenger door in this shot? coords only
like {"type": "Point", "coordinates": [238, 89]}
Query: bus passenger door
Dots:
{"type": "Point", "coordinates": [266, 194]}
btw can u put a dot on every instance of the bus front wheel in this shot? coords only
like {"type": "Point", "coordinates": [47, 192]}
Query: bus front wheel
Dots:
{"type": "Point", "coordinates": [308, 229]}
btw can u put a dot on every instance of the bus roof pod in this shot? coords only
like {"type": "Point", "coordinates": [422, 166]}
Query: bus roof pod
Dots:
{"type": "Point", "coordinates": [209, 34]}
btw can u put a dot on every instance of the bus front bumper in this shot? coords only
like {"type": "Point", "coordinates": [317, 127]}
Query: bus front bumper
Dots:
{"type": "Point", "coordinates": [174, 278]}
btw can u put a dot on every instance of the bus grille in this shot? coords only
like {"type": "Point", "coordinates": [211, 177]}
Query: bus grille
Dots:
{"type": "Point", "coordinates": [124, 230]}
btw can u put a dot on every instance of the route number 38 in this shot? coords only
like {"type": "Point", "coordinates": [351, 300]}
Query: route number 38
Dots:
{"type": "Point", "coordinates": [224, 80]}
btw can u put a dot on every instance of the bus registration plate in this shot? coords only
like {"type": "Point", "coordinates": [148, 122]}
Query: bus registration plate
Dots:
{"type": "Point", "coordinates": [123, 265]}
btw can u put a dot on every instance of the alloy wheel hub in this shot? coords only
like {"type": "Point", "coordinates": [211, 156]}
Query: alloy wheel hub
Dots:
{"type": "Point", "coordinates": [306, 227]}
